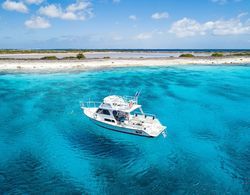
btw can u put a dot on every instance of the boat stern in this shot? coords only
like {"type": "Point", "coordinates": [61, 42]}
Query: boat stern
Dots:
{"type": "Point", "coordinates": [157, 131]}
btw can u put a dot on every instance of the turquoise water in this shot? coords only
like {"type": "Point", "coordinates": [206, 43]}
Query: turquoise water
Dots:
{"type": "Point", "coordinates": [47, 145]}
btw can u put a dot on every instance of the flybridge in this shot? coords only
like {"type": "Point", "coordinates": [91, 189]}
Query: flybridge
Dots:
{"type": "Point", "coordinates": [126, 104]}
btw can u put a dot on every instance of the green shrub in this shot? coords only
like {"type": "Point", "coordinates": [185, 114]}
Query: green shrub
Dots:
{"type": "Point", "coordinates": [186, 55]}
{"type": "Point", "coordinates": [241, 54]}
{"type": "Point", "coordinates": [80, 56]}
{"type": "Point", "coordinates": [49, 58]}
{"type": "Point", "coordinates": [217, 55]}
{"type": "Point", "coordinates": [69, 58]}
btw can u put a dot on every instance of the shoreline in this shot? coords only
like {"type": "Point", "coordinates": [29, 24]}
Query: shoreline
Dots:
{"type": "Point", "coordinates": [52, 66]}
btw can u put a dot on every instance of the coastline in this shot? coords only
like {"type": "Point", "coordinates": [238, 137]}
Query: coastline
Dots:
{"type": "Point", "coordinates": [36, 65]}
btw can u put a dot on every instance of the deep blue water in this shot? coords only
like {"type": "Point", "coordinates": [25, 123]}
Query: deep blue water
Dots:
{"type": "Point", "coordinates": [47, 145]}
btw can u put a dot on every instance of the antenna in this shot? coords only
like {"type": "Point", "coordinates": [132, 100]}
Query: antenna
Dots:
{"type": "Point", "coordinates": [137, 95]}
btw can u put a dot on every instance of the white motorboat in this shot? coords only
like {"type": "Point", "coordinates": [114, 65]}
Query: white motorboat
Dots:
{"type": "Point", "coordinates": [118, 113]}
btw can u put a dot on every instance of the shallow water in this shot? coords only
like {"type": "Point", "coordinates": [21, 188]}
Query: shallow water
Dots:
{"type": "Point", "coordinates": [47, 145]}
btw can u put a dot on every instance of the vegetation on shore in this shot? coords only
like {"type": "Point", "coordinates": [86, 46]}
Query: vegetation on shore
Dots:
{"type": "Point", "coordinates": [240, 54]}
{"type": "Point", "coordinates": [55, 51]}
{"type": "Point", "coordinates": [80, 56]}
{"type": "Point", "coordinates": [217, 54]}
{"type": "Point", "coordinates": [187, 55]}
{"type": "Point", "coordinates": [49, 58]}
{"type": "Point", "coordinates": [69, 58]}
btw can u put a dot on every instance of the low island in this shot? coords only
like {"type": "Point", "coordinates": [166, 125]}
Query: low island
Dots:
{"type": "Point", "coordinates": [80, 60]}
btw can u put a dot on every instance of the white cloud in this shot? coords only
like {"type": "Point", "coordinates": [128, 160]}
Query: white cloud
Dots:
{"type": "Point", "coordinates": [52, 11]}
{"type": "Point", "coordinates": [229, 27]}
{"type": "Point", "coordinates": [80, 10]}
{"type": "Point", "coordinates": [70, 16]}
{"type": "Point", "coordinates": [143, 36]}
{"type": "Point", "coordinates": [149, 35]}
{"type": "Point", "coordinates": [78, 6]}
{"type": "Point", "coordinates": [188, 27]}
{"type": "Point", "coordinates": [132, 17]}
{"type": "Point", "coordinates": [158, 15]}
{"type": "Point", "coordinates": [15, 6]}
{"type": "Point", "coordinates": [37, 22]}
{"type": "Point", "coordinates": [243, 14]}
{"type": "Point", "coordinates": [37, 2]}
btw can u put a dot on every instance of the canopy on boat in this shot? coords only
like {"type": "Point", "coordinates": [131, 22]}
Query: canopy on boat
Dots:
{"type": "Point", "coordinates": [119, 103]}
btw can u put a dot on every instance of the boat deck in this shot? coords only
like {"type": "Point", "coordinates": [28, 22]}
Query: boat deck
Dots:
{"type": "Point", "coordinates": [149, 124]}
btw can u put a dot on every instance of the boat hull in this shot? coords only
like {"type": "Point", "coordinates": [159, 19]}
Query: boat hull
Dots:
{"type": "Point", "coordinates": [121, 129]}
{"type": "Point", "coordinates": [91, 114]}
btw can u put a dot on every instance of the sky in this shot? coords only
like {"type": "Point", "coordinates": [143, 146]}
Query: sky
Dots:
{"type": "Point", "coordinates": [120, 24]}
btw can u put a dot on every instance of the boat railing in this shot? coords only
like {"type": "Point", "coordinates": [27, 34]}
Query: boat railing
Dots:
{"type": "Point", "coordinates": [145, 114]}
{"type": "Point", "coordinates": [90, 104]}
{"type": "Point", "coordinates": [129, 98]}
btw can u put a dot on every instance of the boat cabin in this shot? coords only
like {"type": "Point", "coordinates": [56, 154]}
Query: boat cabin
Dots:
{"type": "Point", "coordinates": [117, 109]}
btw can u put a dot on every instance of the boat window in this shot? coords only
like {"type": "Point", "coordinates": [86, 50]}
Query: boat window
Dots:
{"type": "Point", "coordinates": [109, 120]}
{"type": "Point", "coordinates": [106, 112]}
{"type": "Point", "coordinates": [115, 113]}
{"type": "Point", "coordinates": [102, 111]}
{"type": "Point", "coordinates": [99, 111]}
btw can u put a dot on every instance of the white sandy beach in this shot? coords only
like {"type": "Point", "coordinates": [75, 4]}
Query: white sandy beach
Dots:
{"type": "Point", "coordinates": [87, 64]}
